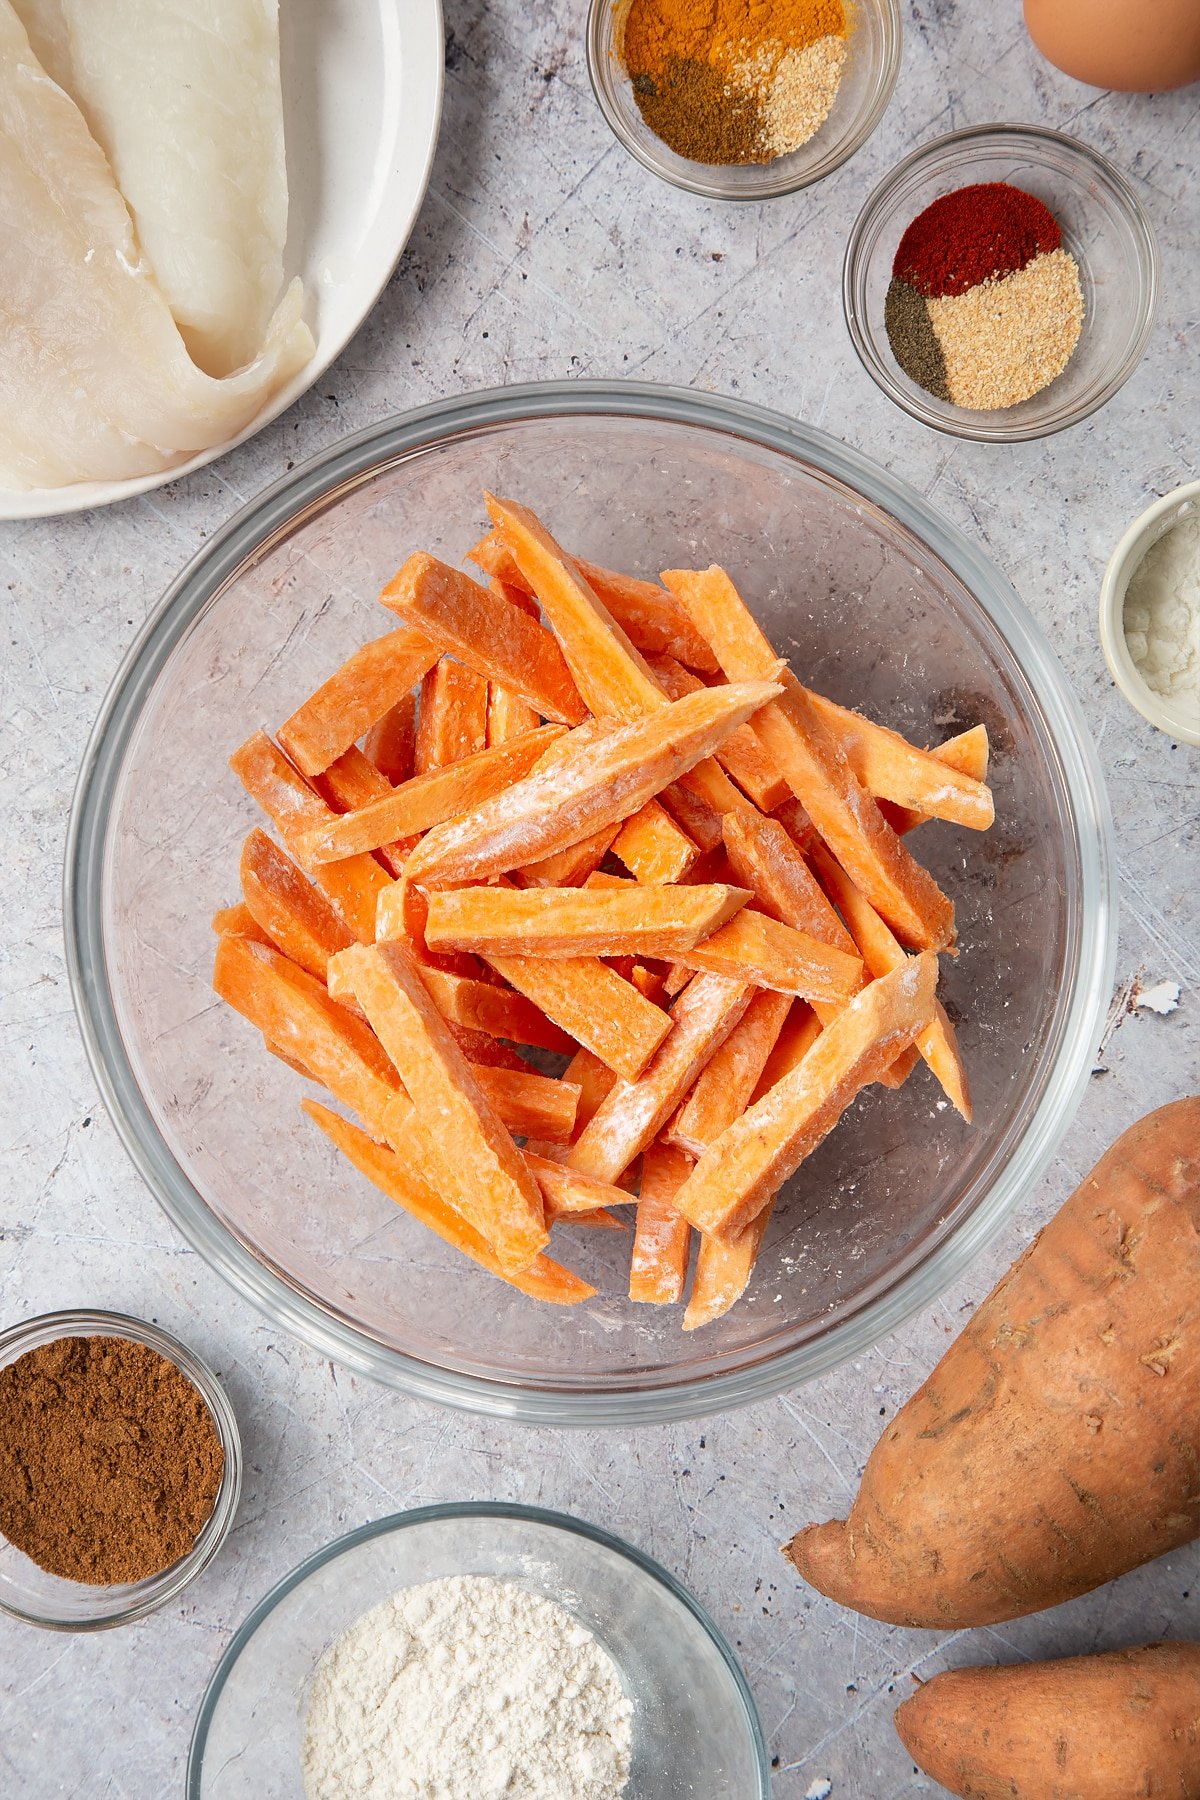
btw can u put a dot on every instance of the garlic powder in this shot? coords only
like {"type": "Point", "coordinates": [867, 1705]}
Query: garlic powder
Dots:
{"type": "Point", "coordinates": [1162, 613]}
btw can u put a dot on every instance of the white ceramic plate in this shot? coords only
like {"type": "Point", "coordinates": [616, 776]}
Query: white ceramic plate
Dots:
{"type": "Point", "coordinates": [362, 97]}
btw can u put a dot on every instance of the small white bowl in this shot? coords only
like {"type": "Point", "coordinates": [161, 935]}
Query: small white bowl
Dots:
{"type": "Point", "coordinates": [1154, 523]}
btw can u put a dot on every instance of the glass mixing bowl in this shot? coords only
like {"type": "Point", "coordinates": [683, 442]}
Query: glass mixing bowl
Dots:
{"type": "Point", "coordinates": [695, 1730]}
{"type": "Point", "coordinates": [873, 48]}
{"type": "Point", "coordinates": [879, 602]}
{"type": "Point", "coordinates": [1104, 227]}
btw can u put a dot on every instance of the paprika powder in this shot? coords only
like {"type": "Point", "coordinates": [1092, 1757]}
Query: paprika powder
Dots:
{"type": "Point", "coordinates": [734, 81]}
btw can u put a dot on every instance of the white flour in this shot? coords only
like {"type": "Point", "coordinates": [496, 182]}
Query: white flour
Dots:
{"type": "Point", "coordinates": [1162, 612]}
{"type": "Point", "coordinates": [466, 1689]}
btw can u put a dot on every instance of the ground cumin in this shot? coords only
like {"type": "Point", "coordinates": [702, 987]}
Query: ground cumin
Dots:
{"type": "Point", "coordinates": [110, 1461]}
{"type": "Point", "coordinates": [734, 81]}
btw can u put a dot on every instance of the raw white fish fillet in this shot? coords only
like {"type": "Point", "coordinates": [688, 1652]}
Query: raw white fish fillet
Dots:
{"type": "Point", "coordinates": [95, 380]}
{"type": "Point", "coordinates": [184, 98]}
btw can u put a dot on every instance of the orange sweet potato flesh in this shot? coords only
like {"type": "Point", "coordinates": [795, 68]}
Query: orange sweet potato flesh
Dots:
{"type": "Point", "coordinates": [798, 1034]}
{"type": "Point", "coordinates": [653, 848]}
{"type": "Point", "coordinates": [766, 860]}
{"type": "Point", "coordinates": [592, 1004]}
{"type": "Point", "coordinates": [572, 866]}
{"type": "Point", "coordinates": [544, 922]}
{"type": "Point", "coordinates": [740, 1173]}
{"type": "Point", "coordinates": [496, 639]}
{"type": "Point", "coordinates": [391, 742]}
{"type": "Point", "coordinates": [508, 716]}
{"type": "Point", "coordinates": [399, 1178]}
{"type": "Point", "coordinates": [631, 1116]}
{"type": "Point", "coordinates": [658, 1264]}
{"type": "Point", "coordinates": [891, 768]}
{"type": "Point", "coordinates": [353, 886]}
{"type": "Point", "coordinates": [741, 755]}
{"type": "Point", "coordinates": [1056, 1444]}
{"type": "Point", "coordinates": [599, 784]}
{"type": "Point", "coordinates": [292, 913]}
{"type": "Point", "coordinates": [426, 800]}
{"type": "Point", "coordinates": [758, 949]}
{"type": "Point", "coordinates": [968, 752]}
{"type": "Point", "coordinates": [475, 1165]}
{"type": "Point", "coordinates": [495, 1010]}
{"type": "Point", "coordinates": [451, 716]}
{"type": "Point", "coordinates": [353, 780]}
{"type": "Point", "coordinates": [238, 921]}
{"type": "Point", "coordinates": [531, 1105]}
{"type": "Point", "coordinates": [723, 1090]}
{"type": "Point", "coordinates": [723, 1272]}
{"type": "Point", "coordinates": [362, 691]}
{"type": "Point", "coordinates": [1124, 1723]}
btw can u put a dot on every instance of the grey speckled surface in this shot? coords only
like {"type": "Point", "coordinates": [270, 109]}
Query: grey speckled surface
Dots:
{"type": "Point", "coordinates": [544, 251]}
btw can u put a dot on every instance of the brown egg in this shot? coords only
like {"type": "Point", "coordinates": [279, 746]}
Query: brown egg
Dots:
{"type": "Point", "coordinates": [1139, 46]}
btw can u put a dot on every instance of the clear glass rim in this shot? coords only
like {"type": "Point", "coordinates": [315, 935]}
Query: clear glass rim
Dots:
{"type": "Point", "coordinates": [854, 269]}
{"type": "Point", "coordinates": [703, 180]}
{"type": "Point", "coordinates": [156, 1590]}
{"type": "Point", "coordinates": [309, 489]}
{"type": "Point", "coordinates": [448, 1512]}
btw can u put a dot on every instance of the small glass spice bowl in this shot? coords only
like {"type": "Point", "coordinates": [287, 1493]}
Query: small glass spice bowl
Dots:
{"type": "Point", "coordinates": [868, 80]}
{"type": "Point", "coordinates": [1173, 716]}
{"type": "Point", "coordinates": [1103, 227]}
{"type": "Point", "coordinates": [34, 1595]}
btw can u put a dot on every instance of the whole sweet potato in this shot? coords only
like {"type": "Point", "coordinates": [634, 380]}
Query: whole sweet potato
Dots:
{"type": "Point", "coordinates": [1125, 1724]}
{"type": "Point", "coordinates": [1057, 1443]}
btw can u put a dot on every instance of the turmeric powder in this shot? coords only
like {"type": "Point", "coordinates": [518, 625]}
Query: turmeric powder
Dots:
{"type": "Point", "coordinates": [723, 81]}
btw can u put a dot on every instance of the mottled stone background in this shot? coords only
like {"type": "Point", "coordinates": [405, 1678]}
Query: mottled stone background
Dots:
{"type": "Point", "coordinates": [544, 251]}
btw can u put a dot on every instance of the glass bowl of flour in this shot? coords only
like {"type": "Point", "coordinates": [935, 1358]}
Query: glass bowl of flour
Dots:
{"type": "Point", "coordinates": [478, 1652]}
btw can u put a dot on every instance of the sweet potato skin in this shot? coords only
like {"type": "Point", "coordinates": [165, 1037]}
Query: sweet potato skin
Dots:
{"type": "Point", "coordinates": [1057, 1443]}
{"type": "Point", "coordinates": [1081, 1728]}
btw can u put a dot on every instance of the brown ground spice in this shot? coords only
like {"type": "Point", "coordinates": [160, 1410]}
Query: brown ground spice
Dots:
{"type": "Point", "coordinates": [110, 1462]}
{"type": "Point", "coordinates": [688, 105]}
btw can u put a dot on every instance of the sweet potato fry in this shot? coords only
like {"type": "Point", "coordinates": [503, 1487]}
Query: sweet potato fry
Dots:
{"type": "Point", "coordinates": [487, 633]}
{"type": "Point", "coordinates": [352, 886]}
{"type": "Point", "coordinates": [723, 1272]}
{"type": "Point", "coordinates": [891, 768]}
{"type": "Point", "coordinates": [296, 1015]}
{"type": "Point", "coordinates": [758, 949]}
{"type": "Point", "coordinates": [766, 860]}
{"type": "Point", "coordinates": [567, 1193]}
{"type": "Point", "coordinates": [572, 866]}
{"type": "Point", "coordinates": [968, 753]}
{"type": "Point", "coordinates": [395, 1176]}
{"type": "Point", "coordinates": [401, 913]}
{"type": "Point", "coordinates": [238, 921]}
{"type": "Point", "coordinates": [294, 916]}
{"type": "Point", "coordinates": [938, 1042]}
{"type": "Point", "coordinates": [798, 1034]}
{"type": "Point", "coordinates": [575, 922]}
{"type": "Point", "coordinates": [634, 1113]}
{"type": "Point", "coordinates": [800, 745]}
{"type": "Point", "coordinates": [740, 1173]}
{"type": "Point", "coordinates": [391, 742]}
{"type": "Point", "coordinates": [723, 1090]}
{"type": "Point", "coordinates": [495, 1010]}
{"type": "Point", "coordinates": [652, 846]}
{"type": "Point", "coordinates": [451, 716]}
{"type": "Point", "coordinates": [613, 679]}
{"type": "Point", "coordinates": [426, 800]}
{"type": "Point", "coordinates": [366, 687]}
{"type": "Point", "coordinates": [595, 1081]}
{"type": "Point", "coordinates": [658, 1265]}
{"type": "Point", "coordinates": [651, 983]}
{"type": "Point", "coordinates": [475, 1163]}
{"type": "Point", "coordinates": [590, 1001]}
{"type": "Point", "coordinates": [599, 784]}
{"type": "Point", "coordinates": [741, 755]}
{"type": "Point", "coordinates": [478, 1047]}
{"type": "Point", "coordinates": [353, 781]}
{"type": "Point", "coordinates": [508, 716]}
{"type": "Point", "coordinates": [694, 813]}
{"type": "Point", "coordinates": [531, 1105]}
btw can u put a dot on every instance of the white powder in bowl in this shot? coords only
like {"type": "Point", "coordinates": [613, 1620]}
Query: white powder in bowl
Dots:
{"type": "Point", "coordinates": [467, 1689]}
{"type": "Point", "coordinates": [1162, 612]}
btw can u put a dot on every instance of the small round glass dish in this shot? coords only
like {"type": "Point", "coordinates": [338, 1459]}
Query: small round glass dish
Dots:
{"type": "Point", "coordinates": [39, 1598]}
{"type": "Point", "coordinates": [1103, 226]}
{"type": "Point", "coordinates": [872, 66]}
{"type": "Point", "coordinates": [883, 605]}
{"type": "Point", "coordinates": [1177, 716]}
{"type": "Point", "coordinates": [696, 1734]}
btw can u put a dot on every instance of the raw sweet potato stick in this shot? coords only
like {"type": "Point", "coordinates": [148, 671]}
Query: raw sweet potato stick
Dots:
{"type": "Point", "coordinates": [496, 639]}
{"type": "Point", "coordinates": [352, 886]}
{"type": "Point", "coordinates": [605, 781]}
{"type": "Point", "coordinates": [593, 1005]}
{"type": "Point", "coordinates": [723, 1090]}
{"type": "Point", "coordinates": [968, 752]}
{"type": "Point", "coordinates": [391, 743]}
{"type": "Point", "coordinates": [658, 1265]}
{"type": "Point", "coordinates": [741, 1172]}
{"type": "Point", "coordinates": [797, 739]}
{"type": "Point", "coordinates": [288, 909]}
{"type": "Point", "coordinates": [363, 690]}
{"type": "Point", "coordinates": [543, 922]}
{"type": "Point", "coordinates": [653, 848]}
{"type": "Point", "coordinates": [474, 1161]}
{"type": "Point", "coordinates": [396, 1176]}
{"type": "Point", "coordinates": [451, 716]}
{"type": "Point", "coordinates": [634, 1113]}
{"type": "Point", "coordinates": [891, 768]}
{"type": "Point", "coordinates": [753, 947]}
{"type": "Point", "coordinates": [741, 755]}
{"type": "Point", "coordinates": [353, 781]}
{"type": "Point", "coordinates": [441, 793]}
{"type": "Point", "coordinates": [723, 1271]}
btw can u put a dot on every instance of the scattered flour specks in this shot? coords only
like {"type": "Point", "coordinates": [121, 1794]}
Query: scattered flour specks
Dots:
{"type": "Point", "coordinates": [1162, 998]}
{"type": "Point", "coordinates": [467, 1689]}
